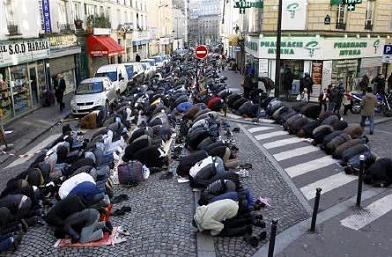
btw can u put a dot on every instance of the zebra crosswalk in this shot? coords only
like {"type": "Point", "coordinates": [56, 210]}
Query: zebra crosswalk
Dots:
{"type": "Point", "coordinates": [310, 168]}
{"type": "Point", "coordinates": [307, 165]}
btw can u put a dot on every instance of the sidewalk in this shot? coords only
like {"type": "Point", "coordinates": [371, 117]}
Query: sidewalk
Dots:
{"type": "Point", "coordinates": [27, 128]}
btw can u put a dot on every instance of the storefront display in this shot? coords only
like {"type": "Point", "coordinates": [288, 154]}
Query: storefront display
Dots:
{"type": "Point", "coordinates": [317, 76]}
{"type": "Point", "coordinates": [6, 110]}
{"type": "Point", "coordinates": [22, 76]}
{"type": "Point", "coordinates": [345, 71]}
{"type": "Point", "coordinates": [20, 89]}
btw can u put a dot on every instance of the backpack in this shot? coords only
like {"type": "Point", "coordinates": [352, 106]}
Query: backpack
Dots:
{"type": "Point", "coordinates": [130, 173]}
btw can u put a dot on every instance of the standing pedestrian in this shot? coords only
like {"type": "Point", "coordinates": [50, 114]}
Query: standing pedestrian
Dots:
{"type": "Point", "coordinates": [346, 103]}
{"type": "Point", "coordinates": [247, 85]}
{"type": "Point", "coordinates": [369, 103]}
{"type": "Point", "coordinates": [364, 83]}
{"type": "Point", "coordinates": [59, 87]}
{"type": "Point", "coordinates": [287, 80]}
{"type": "Point", "coordinates": [137, 58]}
{"type": "Point", "coordinates": [323, 99]}
{"type": "Point", "coordinates": [336, 97]}
{"type": "Point", "coordinates": [390, 82]}
{"type": "Point", "coordinates": [379, 84]}
{"type": "Point", "coordinates": [307, 82]}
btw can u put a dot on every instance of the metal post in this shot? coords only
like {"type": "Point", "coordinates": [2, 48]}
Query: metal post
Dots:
{"type": "Point", "coordinates": [315, 209]}
{"type": "Point", "coordinates": [278, 44]}
{"type": "Point", "coordinates": [271, 246]}
{"type": "Point", "coordinates": [360, 179]}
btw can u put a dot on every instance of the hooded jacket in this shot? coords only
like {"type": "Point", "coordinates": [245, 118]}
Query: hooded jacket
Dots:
{"type": "Point", "coordinates": [210, 217]}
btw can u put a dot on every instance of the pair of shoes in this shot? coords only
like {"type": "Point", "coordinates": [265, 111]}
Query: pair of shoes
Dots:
{"type": "Point", "coordinates": [371, 133]}
{"type": "Point", "coordinates": [120, 198]}
{"type": "Point", "coordinates": [122, 211]}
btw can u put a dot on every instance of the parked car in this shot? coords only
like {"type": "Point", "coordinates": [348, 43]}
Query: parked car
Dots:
{"type": "Point", "coordinates": [135, 73]}
{"type": "Point", "coordinates": [117, 74]}
{"type": "Point", "coordinates": [158, 61]}
{"type": "Point", "coordinates": [93, 94]}
{"type": "Point", "coordinates": [151, 62]}
{"type": "Point", "coordinates": [149, 71]}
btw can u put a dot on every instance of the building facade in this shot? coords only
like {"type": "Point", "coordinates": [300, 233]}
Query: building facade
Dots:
{"type": "Point", "coordinates": [41, 39]}
{"type": "Point", "coordinates": [204, 21]}
{"type": "Point", "coordinates": [322, 38]}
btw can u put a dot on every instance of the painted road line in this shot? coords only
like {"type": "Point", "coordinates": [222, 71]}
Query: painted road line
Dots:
{"type": "Point", "coordinates": [283, 142]}
{"type": "Point", "coordinates": [271, 134]}
{"type": "Point", "coordinates": [257, 129]}
{"type": "Point", "coordinates": [34, 150]}
{"type": "Point", "coordinates": [295, 152]}
{"type": "Point", "coordinates": [369, 214]}
{"type": "Point", "coordinates": [327, 184]}
{"type": "Point", "coordinates": [306, 167]}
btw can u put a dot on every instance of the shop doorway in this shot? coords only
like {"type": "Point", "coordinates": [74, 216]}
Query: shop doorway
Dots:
{"type": "Point", "coordinates": [34, 85]}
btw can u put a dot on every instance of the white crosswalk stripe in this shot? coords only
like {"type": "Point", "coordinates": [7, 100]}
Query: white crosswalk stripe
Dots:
{"type": "Point", "coordinates": [369, 214]}
{"type": "Point", "coordinates": [271, 135]}
{"type": "Point", "coordinates": [327, 184]}
{"type": "Point", "coordinates": [306, 167]}
{"type": "Point", "coordinates": [303, 159]}
{"type": "Point", "coordinates": [295, 153]}
{"type": "Point", "coordinates": [258, 129]}
{"type": "Point", "coordinates": [283, 142]}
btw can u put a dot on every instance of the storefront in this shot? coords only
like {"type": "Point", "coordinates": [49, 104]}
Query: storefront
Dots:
{"type": "Point", "coordinates": [326, 60]}
{"type": "Point", "coordinates": [251, 52]}
{"type": "Point", "coordinates": [141, 47]}
{"type": "Point", "coordinates": [64, 53]}
{"type": "Point", "coordinates": [164, 44]}
{"type": "Point", "coordinates": [22, 76]}
{"type": "Point", "coordinates": [102, 50]}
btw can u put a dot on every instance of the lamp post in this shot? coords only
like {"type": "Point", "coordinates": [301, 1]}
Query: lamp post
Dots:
{"type": "Point", "coordinates": [278, 44]}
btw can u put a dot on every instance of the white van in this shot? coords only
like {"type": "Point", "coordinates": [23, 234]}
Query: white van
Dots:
{"type": "Point", "coordinates": [117, 75]}
{"type": "Point", "coordinates": [93, 94]}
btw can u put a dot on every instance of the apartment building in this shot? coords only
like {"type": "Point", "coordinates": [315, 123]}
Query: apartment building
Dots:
{"type": "Point", "coordinates": [325, 38]}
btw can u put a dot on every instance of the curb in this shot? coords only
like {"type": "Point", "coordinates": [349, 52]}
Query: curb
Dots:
{"type": "Point", "coordinates": [298, 194]}
{"type": "Point", "coordinates": [36, 137]}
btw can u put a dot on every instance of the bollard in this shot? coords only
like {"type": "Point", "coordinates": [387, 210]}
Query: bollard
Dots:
{"type": "Point", "coordinates": [315, 209]}
{"type": "Point", "coordinates": [271, 246]}
{"type": "Point", "coordinates": [360, 180]}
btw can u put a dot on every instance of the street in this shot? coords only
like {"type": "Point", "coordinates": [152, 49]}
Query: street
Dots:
{"type": "Point", "coordinates": [286, 169]}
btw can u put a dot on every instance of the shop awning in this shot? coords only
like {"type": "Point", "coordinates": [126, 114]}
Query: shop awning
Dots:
{"type": "Point", "coordinates": [103, 46]}
{"type": "Point", "coordinates": [233, 40]}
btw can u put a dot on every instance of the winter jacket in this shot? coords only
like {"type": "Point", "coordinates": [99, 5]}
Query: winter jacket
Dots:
{"type": "Point", "coordinates": [210, 217]}
{"type": "Point", "coordinates": [188, 161]}
{"type": "Point", "coordinates": [320, 132]}
{"type": "Point", "coordinates": [346, 145]}
{"type": "Point", "coordinates": [88, 192]}
{"type": "Point", "coordinates": [72, 182]}
{"type": "Point", "coordinates": [379, 173]}
{"type": "Point", "coordinates": [331, 120]}
{"type": "Point", "coordinates": [63, 209]}
{"type": "Point", "coordinates": [354, 130]}
{"type": "Point", "coordinates": [329, 137]}
{"type": "Point", "coordinates": [306, 131]}
{"type": "Point", "coordinates": [311, 110]}
{"type": "Point", "coordinates": [336, 141]}
{"type": "Point", "coordinates": [369, 103]}
{"type": "Point", "coordinates": [354, 150]}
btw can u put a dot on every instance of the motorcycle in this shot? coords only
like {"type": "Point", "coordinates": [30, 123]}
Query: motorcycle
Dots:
{"type": "Point", "coordinates": [384, 103]}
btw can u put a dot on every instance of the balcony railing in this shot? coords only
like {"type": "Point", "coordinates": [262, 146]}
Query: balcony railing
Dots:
{"type": "Point", "coordinates": [12, 29]}
{"type": "Point", "coordinates": [368, 25]}
{"type": "Point", "coordinates": [341, 26]}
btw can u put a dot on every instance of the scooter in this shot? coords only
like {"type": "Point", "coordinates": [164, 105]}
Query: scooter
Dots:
{"type": "Point", "coordinates": [384, 103]}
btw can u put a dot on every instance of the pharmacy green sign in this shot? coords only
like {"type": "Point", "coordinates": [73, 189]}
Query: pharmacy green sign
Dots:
{"type": "Point", "coordinates": [246, 4]}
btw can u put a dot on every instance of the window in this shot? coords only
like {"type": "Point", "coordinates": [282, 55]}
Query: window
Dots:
{"type": "Point", "coordinates": [76, 11]}
{"type": "Point", "coordinates": [369, 15]}
{"type": "Point", "coordinates": [62, 19]}
{"type": "Point", "coordinates": [341, 17]}
{"type": "Point", "coordinates": [9, 12]}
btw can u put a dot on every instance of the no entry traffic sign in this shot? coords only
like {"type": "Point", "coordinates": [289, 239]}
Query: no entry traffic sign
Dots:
{"type": "Point", "coordinates": [201, 52]}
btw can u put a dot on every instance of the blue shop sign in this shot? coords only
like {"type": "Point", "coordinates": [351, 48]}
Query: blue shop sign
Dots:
{"type": "Point", "coordinates": [46, 15]}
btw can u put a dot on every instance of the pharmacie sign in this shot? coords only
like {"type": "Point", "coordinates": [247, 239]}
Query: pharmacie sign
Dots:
{"type": "Point", "coordinates": [252, 46]}
{"type": "Point", "coordinates": [317, 48]}
{"type": "Point", "coordinates": [15, 52]}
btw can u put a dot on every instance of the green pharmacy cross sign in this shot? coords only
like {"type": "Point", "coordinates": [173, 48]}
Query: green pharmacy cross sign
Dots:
{"type": "Point", "coordinates": [350, 3]}
{"type": "Point", "coordinates": [244, 4]}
